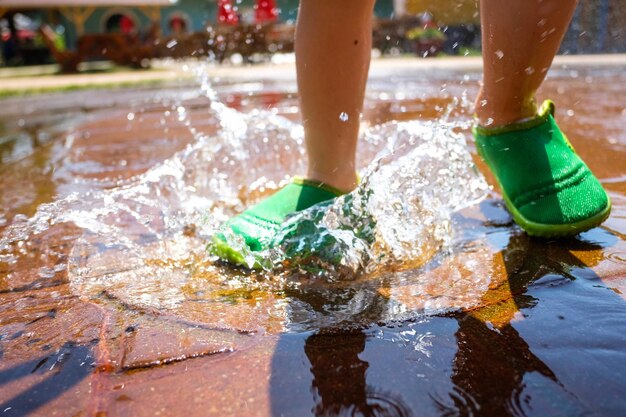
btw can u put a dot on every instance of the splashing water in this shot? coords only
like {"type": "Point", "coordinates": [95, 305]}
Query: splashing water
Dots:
{"type": "Point", "coordinates": [144, 242]}
{"type": "Point", "coordinates": [399, 216]}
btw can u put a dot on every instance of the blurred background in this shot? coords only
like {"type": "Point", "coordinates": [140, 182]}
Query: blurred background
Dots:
{"type": "Point", "coordinates": [133, 33]}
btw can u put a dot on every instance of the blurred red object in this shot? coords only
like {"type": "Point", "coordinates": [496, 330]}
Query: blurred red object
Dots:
{"type": "Point", "coordinates": [22, 35]}
{"type": "Point", "coordinates": [225, 13]}
{"type": "Point", "coordinates": [266, 11]}
{"type": "Point", "coordinates": [127, 26]}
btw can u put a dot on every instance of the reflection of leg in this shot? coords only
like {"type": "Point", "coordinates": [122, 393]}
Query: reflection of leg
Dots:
{"type": "Point", "coordinates": [492, 360]}
{"type": "Point", "coordinates": [520, 39]}
{"type": "Point", "coordinates": [489, 369]}
{"type": "Point", "coordinates": [494, 363]}
{"type": "Point", "coordinates": [333, 44]}
{"type": "Point", "coordinates": [338, 372]}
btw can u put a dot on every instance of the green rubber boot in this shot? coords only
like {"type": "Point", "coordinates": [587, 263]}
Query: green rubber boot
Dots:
{"type": "Point", "coordinates": [257, 225]}
{"type": "Point", "coordinates": [548, 189]}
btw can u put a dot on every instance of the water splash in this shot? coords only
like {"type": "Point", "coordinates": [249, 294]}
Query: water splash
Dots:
{"type": "Point", "coordinates": [400, 214]}
{"type": "Point", "coordinates": [144, 241]}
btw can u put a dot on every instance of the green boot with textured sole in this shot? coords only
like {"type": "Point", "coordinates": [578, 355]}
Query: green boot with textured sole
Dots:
{"type": "Point", "coordinates": [548, 189]}
{"type": "Point", "coordinates": [258, 224]}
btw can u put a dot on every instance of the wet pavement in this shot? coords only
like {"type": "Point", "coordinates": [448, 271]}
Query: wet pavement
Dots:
{"type": "Point", "coordinates": [546, 335]}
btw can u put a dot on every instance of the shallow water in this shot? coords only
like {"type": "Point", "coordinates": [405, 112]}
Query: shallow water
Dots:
{"type": "Point", "coordinates": [436, 305]}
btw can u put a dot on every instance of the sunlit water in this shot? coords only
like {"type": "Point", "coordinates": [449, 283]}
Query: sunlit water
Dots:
{"type": "Point", "coordinates": [109, 199]}
{"type": "Point", "coordinates": [144, 242]}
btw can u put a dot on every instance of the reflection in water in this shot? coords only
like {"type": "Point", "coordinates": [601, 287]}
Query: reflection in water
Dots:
{"type": "Point", "coordinates": [489, 369]}
{"type": "Point", "coordinates": [494, 371]}
{"type": "Point", "coordinates": [27, 158]}
{"type": "Point", "coordinates": [339, 378]}
{"type": "Point", "coordinates": [391, 343]}
{"type": "Point", "coordinates": [339, 384]}
{"type": "Point", "coordinates": [338, 374]}
{"type": "Point", "coordinates": [491, 366]}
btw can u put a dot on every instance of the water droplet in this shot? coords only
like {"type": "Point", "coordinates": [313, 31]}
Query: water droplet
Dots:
{"type": "Point", "coordinates": [499, 54]}
{"type": "Point", "coordinates": [343, 116]}
{"type": "Point", "coordinates": [131, 116]}
{"type": "Point", "coordinates": [570, 113]}
{"type": "Point", "coordinates": [529, 70]}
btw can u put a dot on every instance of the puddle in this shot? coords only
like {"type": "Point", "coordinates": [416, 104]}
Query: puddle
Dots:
{"type": "Point", "coordinates": [423, 286]}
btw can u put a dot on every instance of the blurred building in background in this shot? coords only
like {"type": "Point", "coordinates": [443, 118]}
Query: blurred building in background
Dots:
{"type": "Point", "coordinates": [598, 26]}
{"type": "Point", "coordinates": [447, 12]}
{"type": "Point", "coordinates": [222, 27]}
{"type": "Point", "coordinates": [173, 16]}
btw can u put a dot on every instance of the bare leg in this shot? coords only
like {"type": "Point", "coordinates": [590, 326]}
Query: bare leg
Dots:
{"type": "Point", "coordinates": [520, 39]}
{"type": "Point", "coordinates": [333, 46]}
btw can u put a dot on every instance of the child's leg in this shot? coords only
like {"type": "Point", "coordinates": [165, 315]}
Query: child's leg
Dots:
{"type": "Point", "coordinates": [333, 46]}
{"type": "Point", "coordinates": [520, 39]}
{"type": "Point", "coordinates": [547, 187]}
